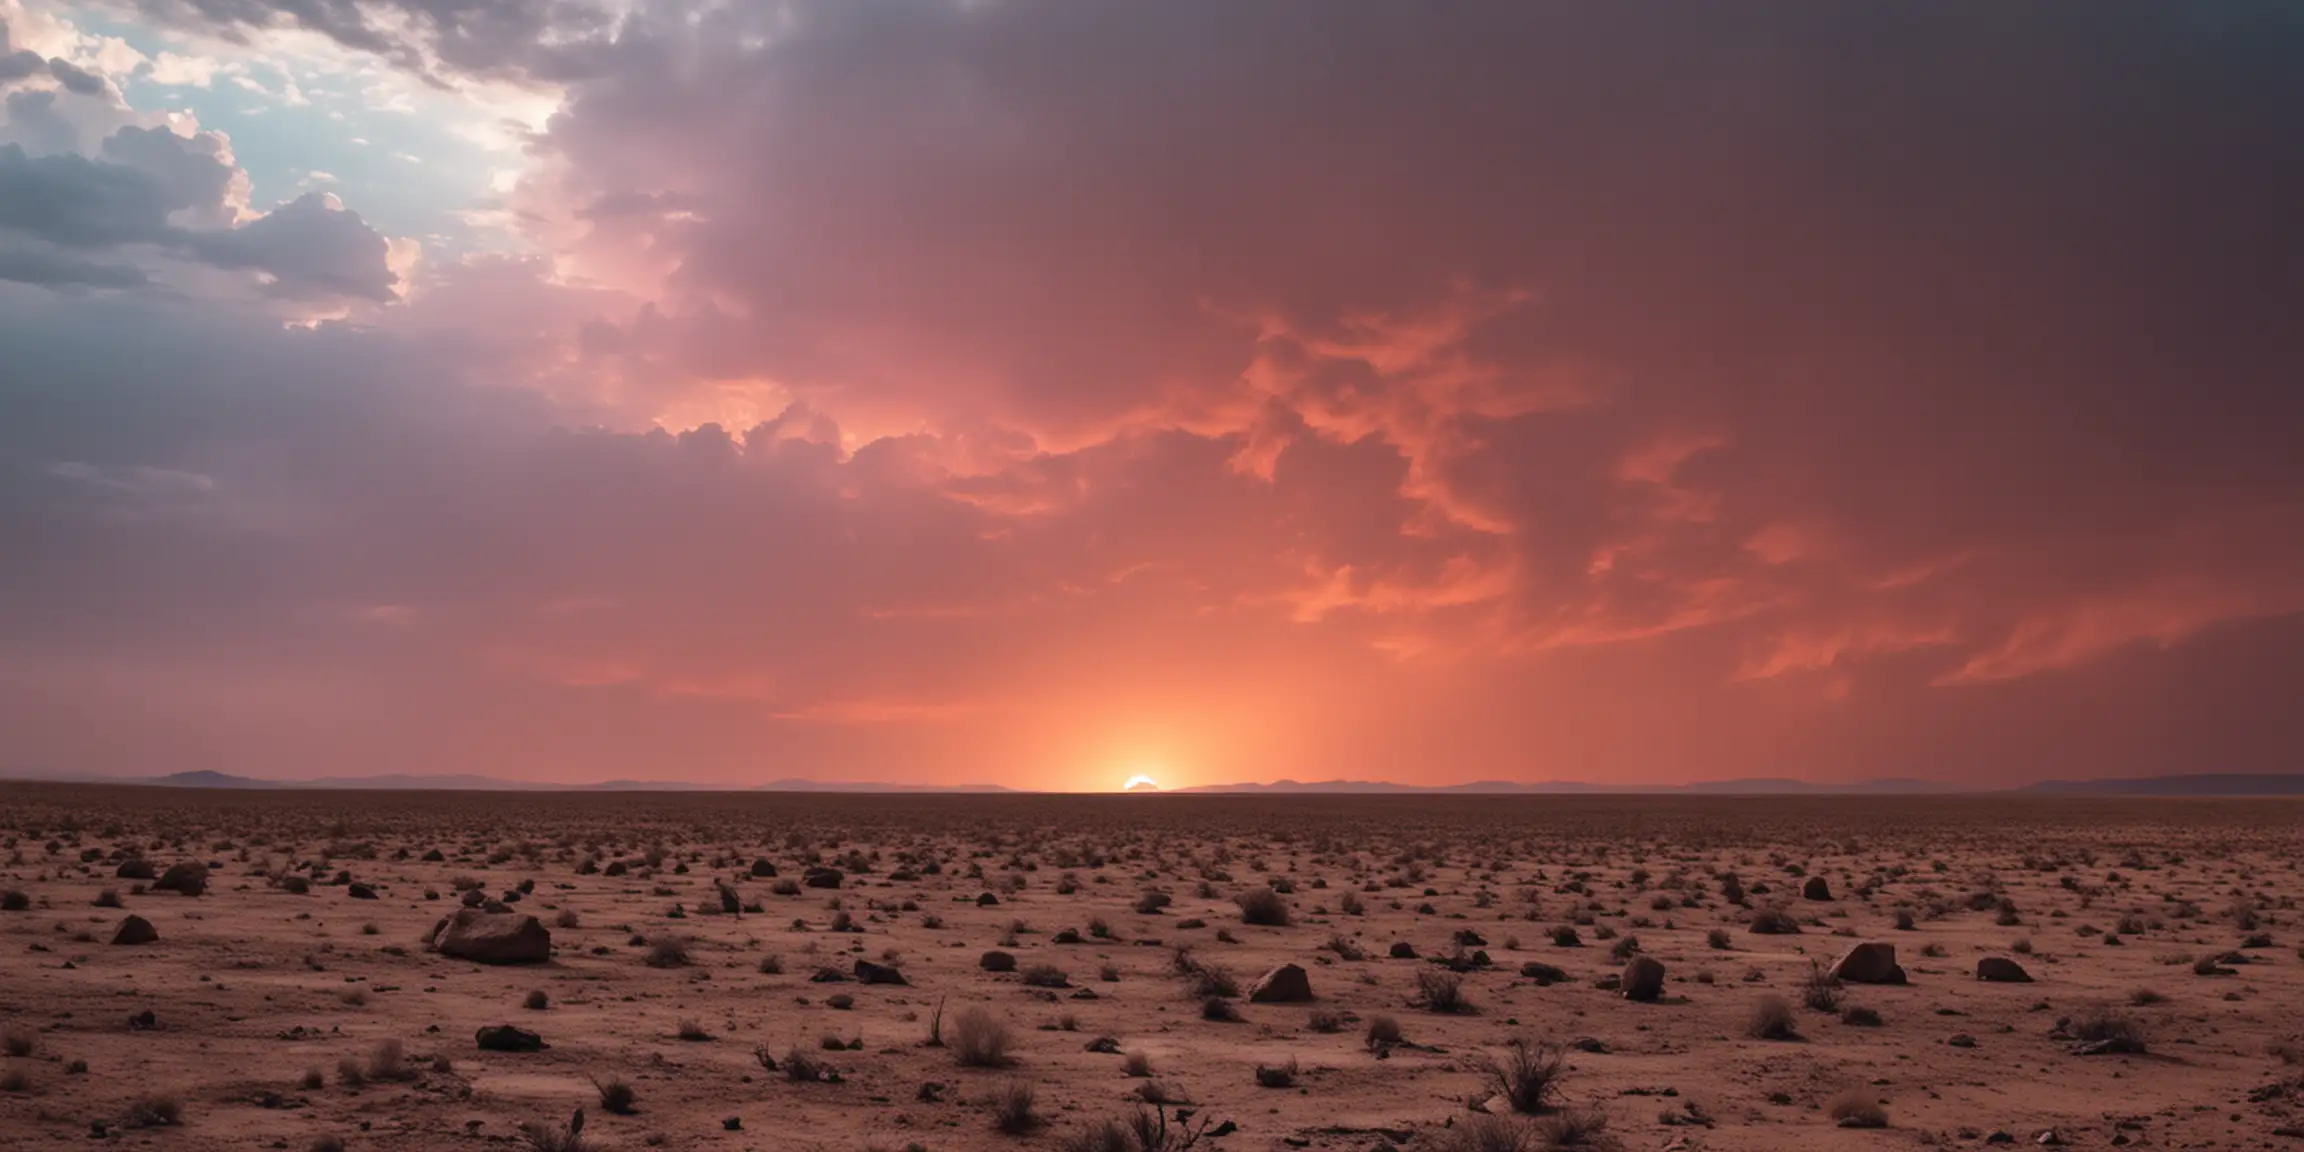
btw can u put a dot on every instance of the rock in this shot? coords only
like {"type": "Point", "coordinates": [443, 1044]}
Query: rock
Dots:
{"type": "Point", "coordinates": [1962, 1040]}
{"type": "Point", "coordinates": [1403, 950]}
{"type": "Point", "coordinates": [2002, 970]}
{"type": "Point", "coordinates": [1869, 963]}
{"type": "Point", "coordinates": [762, 869]}
{"type": "Point", "coordinates": [494, 938]}
{"type": "Point", "coordinates": [1287, 984]}
{"type": "Point", "coordinates": [136, 930]}
{"type": "Point", "coordinates": [1816, 889]}
{"type": "Point", "coordinates": [822, 878]}
{"type": "Point", "coordinates": [361, 891]}
{"type": "Point", "coordinates": [135, 868]}
{"type": "Point", "coordinates": [987, 900]}
{"type": "Point", "coordinates": [506, 1038]}
{"type": "Point", "coordinates": [1104, 1045]}
{"type": "Point", "coordinates": [1545, 975]}
{"type": "Point", "coordinates": [997, 962]}
{"type": "Point", "coordinates": [733, 1123]}
{"type": "Point", "coordinates": [869, 973]}
{"type": "Point", "coordinates": [188, 878]}
{"type": "Point", "coordinates": [144, 1021]}
{"type": "Point", "coordinates": [1643, 979]}
{"type": "Point", "coordinates": [472, 898]}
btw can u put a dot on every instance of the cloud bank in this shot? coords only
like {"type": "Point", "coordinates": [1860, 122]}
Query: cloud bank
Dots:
{"type": "Point", "coordinates": [1026, 391]}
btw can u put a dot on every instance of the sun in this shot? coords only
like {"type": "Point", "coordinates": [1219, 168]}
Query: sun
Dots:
{"type": "Point", "coordinates": [1140, 783]}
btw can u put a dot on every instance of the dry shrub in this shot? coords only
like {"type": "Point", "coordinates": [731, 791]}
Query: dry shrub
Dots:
{"type": "Point", "coordinates": [154, 1112]}
{"type": "Point", "coordinates": [1820, 989]}
{"type": "Point", "coordinates": [1856, 1108]}
{"type": "Point", "coordinates": [981, 1041]}
{"type": "Point", "coordinates": [1772, 1019]}
{"type": "Point", "coordinates": [1481, 1132]}
{"type": "Point", "coordinates": [1441, 991]}
{"type": "Point", "coordinates": [2112, 1030]}
{"type": "Point", "coordinates": [1527, 1074]}
{"type": "Point", "coordinates": [1774, 922]}
{"type": "Point", "coordinates": [1012, 1108]}
{"type": "Point", "coordinates": [387, 1061]}
{"type": "Point", "coordinates": [668, 952]}
{"type": "Point", "coordinates": [542, 1137]}
{"type": "Point", "coordinates": [616, 1095]}
{"type": "Point", "coordinates": [1263, 906]}
{"type": "Point", "coordinates": [1574, 1128]}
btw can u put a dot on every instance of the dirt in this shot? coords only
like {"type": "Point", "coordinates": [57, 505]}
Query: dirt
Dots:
{"type": "Point", "coordinates": [252, 988]}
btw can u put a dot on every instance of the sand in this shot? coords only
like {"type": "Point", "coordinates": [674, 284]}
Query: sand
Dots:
{"type": "Point", "coordinates": [273, 1012]}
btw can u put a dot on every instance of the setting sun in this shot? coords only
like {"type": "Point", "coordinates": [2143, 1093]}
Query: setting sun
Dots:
{"type": "Point", "coordinates": [1140, 783]}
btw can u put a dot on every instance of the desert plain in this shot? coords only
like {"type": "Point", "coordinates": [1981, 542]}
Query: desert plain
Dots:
{"type": "Point", "coordinates": [1112, 973]}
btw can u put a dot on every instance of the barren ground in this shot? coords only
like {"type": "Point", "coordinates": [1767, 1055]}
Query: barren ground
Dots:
{"type": "Point", "coordinates": [273, 1010]}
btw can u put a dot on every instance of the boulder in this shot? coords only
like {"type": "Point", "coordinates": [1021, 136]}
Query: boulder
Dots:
{"type": "Point", "coordinates": [1543, 974]}
{"type": "Point", "coordinates": [2002, 970]}
{"type": "Point", "coordinates": [1643, 979]}
{"type": "Point", "coordinates": [506, 1038]}
{"type": "Point", "coordinates": [359, 891]}
{"type": "Point", "coordinates": [762, 869]}
{"type": "Point", "coordinates": [869, 973]}
{"type": "Point", "coordinates": [135, 868]}
{"type": "Point", "coordinates": [1287, 984]}
{"type": "Point", "coordinates": [1816, 889]}
{"type": "Point", "coordinates": [188, 878]}
{"type": "Point", "coordinates": [1869, 963]}
{"type": "Point", "coordinates": [822, 878]}
{"type": "Point", "coordinates": [494, 938]}
{"type": "Point", "coordinates": [136, 930]}
{"type": "Point", "coordinates": [997, 962]}
{"type": "Point", "coordinates": [1403, 950]}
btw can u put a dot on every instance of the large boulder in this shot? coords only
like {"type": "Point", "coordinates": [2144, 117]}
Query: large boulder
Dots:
{"type": "Point", "coordinates": [494, 938]}
{"type": "Point", "coordinates": [1643, 979]}
{"type": "Point", "coordinates": [135, 868]}
{"type": "Point", "coordinates": [822, 878]}
{"type": "Point", "coordinates": [763, 868]}
{"type": "Point", "coordinates": [188, 878]}
{"type": "Point", "coordinates": [1287, 984]}
{"type": "Point", "coordinates": [869, 973]}
{"type": "Point", "coordinates": [506, 1038]}
{"type": "Point", "coordinates": [1816, 889]}
{"type": "Point", "coordinates": [2001, 970]}
{"type": "Point", "coordinates": [136, 930]}
{"type": "Point", "coordinates": [1869, 963]}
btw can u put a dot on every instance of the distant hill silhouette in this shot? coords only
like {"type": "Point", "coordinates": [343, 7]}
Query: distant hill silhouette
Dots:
{"type": "Point", "coordinates": [2200, 784]}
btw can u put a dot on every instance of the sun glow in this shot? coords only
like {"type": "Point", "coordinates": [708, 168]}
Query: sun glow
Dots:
{"type": "Point", "coordinates": [1140, 781]}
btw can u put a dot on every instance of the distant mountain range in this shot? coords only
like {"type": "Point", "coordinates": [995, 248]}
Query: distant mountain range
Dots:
{"type": "Point", "coordinates": [401, 782]}
{"type": "Point", "coordinates": [2201, 784]}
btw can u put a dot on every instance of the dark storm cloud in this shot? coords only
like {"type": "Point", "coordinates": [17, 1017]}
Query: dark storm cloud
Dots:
{"type": "Point", "coordinates": [75, 79]}
{"type": "Point", "coordinates": [1488, 389]}
{"type": "Point", "coordinates": [309, 247]}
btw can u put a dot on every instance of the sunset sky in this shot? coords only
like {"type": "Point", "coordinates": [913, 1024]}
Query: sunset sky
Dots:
{"type": "Point", "coordinates": [1048, 393]}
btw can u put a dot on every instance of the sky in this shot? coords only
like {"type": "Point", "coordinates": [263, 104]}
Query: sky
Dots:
{"type": "Point", "coordinates": [1051, 393]}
